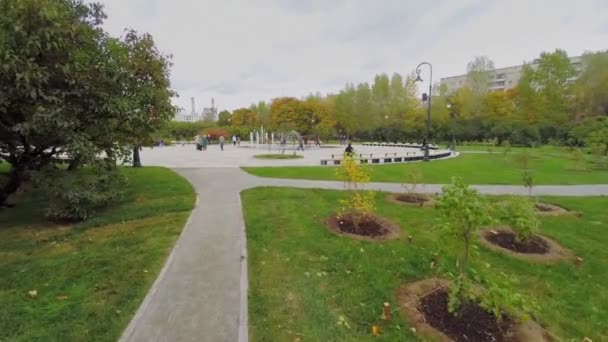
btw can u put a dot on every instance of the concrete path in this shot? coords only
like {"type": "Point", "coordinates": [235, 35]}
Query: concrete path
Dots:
{"type": "Point", "coordinates": [201, 292]}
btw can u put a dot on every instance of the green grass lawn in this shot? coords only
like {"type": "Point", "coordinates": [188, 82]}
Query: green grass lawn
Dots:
{"type": "Point", "coordinates": [278, 156]}
{"type": "Point", "coordinates": [549, 166]}
{"type": "Point", "coordinates": [303, 279]}
{"type": "Point", "coordinates": [90, 277]}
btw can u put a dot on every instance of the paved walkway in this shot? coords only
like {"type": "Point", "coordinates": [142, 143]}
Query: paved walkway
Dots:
{"type": "Point", "coordinates": [234, 156]}
{"type": "Point", "coordinates": [201, 292]}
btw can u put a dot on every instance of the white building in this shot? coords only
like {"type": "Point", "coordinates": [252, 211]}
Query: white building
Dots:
{"type": "Point", "coordinates": [184, 116]}
{"type": "Point", "coordinates": [502, 79]}
{"type": "Point", "coordinates": [209, 114]}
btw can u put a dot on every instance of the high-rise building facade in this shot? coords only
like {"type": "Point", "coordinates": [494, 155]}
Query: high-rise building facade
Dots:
{"type": "Point", "coordinates": [501, 79]}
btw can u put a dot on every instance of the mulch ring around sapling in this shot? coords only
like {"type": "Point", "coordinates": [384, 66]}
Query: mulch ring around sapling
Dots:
{"type": "Point", "coordinates": [547, 209]}
{"type": "Point", "coordinates": [424, 304]}
{"type": "Point", "coordinates": [537, 248]}
{"type": "Point", "coordinates": [371, 228]}
{"type": "Point", "coordinates": [413, 199]}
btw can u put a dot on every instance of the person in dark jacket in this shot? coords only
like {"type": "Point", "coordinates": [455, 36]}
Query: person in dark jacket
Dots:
{"type": "Point", "coordinates": [349, 150]}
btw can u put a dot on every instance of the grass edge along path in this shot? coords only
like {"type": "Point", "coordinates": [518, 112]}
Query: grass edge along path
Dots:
{"type": "Point", "coordinates": [310, 284]}
{"type": "Point", "coordinates": [483, 168]}
{"type": "Point", "coordinates": [90, 277]}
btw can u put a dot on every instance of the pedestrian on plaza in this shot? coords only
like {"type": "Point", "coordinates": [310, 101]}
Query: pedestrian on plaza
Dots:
{"type": "Point", "coordinates": [204, 142]}
{"type": "Point", "coordinates": [238, 140]}
{"type": "Point", "coordinates": [300, 144]}
{"type": "Point", "coordinates": [221, 142]}
{"type": "Point", "coordinates": [283, 143]}
{"type": "Point", "coordinates": [234, 140]}
{"type": "Point", "coordinates": [197, 141]}
{"type": "Point", "coordinates": [349, 150]}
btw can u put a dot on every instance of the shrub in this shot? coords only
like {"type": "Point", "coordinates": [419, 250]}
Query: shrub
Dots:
{"type": "Point", "coordinates": [461, 212]}
{"type": "Point", "coordinates": [77, 196]}
{"type": "Point", "coordinates": [359, 203]}
{"type": "Point", "coordinates": [518, 213]}
{"type": "Point", "coordinates": [216, 132]}
{"type": "Point", "coordinates": [527, 178]}
{"type": "Point", "coordinates": [523, 159]}
{"type": "Point", "coordinates": [506, 148]}
{"type": "Point", "coordinates": [578, 159]}
{"type": "Point", "coordinates": [414, 179]}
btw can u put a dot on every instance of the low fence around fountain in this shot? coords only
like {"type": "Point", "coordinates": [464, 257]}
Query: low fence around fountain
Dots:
{"type": "Point", "coordinates": [388, 158]}
{"type": "Point", "coordinates": [399, 144]}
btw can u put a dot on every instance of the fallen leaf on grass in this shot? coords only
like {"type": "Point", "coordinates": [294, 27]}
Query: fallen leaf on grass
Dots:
{"type": "Point", "coordinates": [62, 297]}
{"type": "Point", "coordinates": [32, 293]}
{"type": "Point", "coordinates": [342, 321]}
{"type": "Point", "coordinates": [375, 330]}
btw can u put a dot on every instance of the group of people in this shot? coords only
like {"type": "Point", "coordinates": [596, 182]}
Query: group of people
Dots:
{"type": "Point", "coordinates": [202, 141]}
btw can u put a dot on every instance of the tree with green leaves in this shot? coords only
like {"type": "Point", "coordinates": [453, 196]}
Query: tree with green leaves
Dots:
{"type": "Point", "coordinates": [519, 213]}
{"type": "Point", "coordinates": [479, 74]}
{"type": "Point", "coordinates": [461, 212]}
{"type": "Point", "coordinates": [68, 89]}
{"type": "Point", "coordinates": [224, 118]}
{"type": "Point", "coordinates": [546, 86]}
{"type": "Point", "coordinates": [244, 117]}
{"type": "Point", "coordinates": [591, 88]}
{"type": "Point", "coordinates": [147, 92]}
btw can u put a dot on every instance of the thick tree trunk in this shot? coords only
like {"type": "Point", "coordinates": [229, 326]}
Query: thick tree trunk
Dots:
{"type": "Point", "coordinates": [136, 158]}
{"type": "Point", "coordinates": [16, 177]}
{"type": "Point", "coordinates": [74, 164]}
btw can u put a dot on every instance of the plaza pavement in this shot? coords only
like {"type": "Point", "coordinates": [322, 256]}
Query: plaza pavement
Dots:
{"type": "Point", "coordinates": [201, 292]}
{"type": "Point", "coordinates": [178, 156]}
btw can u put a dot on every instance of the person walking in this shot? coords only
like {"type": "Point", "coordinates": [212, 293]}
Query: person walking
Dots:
{"type": "Point", "coordinates": [204, 142]}
{"type": "Point", "coordinates": [221, 142]}
{"type": "Point", "coordinates": [234, 140]}
{"type": "Point", "coordinates": [197, 141]}
{"type": "Point", "coordinates": [300, 145]}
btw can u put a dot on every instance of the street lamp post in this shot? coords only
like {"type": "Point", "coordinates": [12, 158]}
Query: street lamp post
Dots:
{"type": "Point", "coordinates": [449, 107]}
{"type": "Point", "coordinates": [428, 114]}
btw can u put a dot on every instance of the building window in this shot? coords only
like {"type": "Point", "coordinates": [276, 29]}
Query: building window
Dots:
{"type": "Point", "coordinates": [501, 76]}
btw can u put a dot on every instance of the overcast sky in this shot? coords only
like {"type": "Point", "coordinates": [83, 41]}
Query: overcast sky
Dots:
{"type": "Point", "coordinates": [243, 51]}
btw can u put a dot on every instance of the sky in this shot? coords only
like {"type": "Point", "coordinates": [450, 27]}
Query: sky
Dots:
{"type": "Point", "coordinates": [243, 51]}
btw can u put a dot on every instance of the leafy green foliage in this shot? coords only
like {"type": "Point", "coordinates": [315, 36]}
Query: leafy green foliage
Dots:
{"type": "Point", "coordinates": [414, 179]}
{"type": "Point", "coordinates": [77, 196]}
{"type": "Point", "coordinates": [519, 214]}
{"type": "Point", "coordinates": [462, 211]}
{"type": "Point", "coordinates": [527, 177]}
{"type": "Point", "coordinates": [224, 118]}
{"type": "Point", "coordinates": [359, 203]}
{"type": "Point", "coordinates": [523, 159]}
{"type": "Point", "coordinates": [70, 89]}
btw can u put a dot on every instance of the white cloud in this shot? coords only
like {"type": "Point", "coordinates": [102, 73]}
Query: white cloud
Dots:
{"type": "Point", "coordinates": [242, 51]}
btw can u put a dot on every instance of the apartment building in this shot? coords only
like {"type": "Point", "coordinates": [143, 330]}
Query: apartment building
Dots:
{"type": "Point", "coordinates": [502, 79]}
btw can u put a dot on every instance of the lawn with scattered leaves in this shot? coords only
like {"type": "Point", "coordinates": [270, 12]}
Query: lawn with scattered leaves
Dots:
{"type": "Point", "coordinates": [310, 285]}
{"type": "Point", "coordinates": [549, 165]}
{"type": "Point", "coordinates": [84, 282]}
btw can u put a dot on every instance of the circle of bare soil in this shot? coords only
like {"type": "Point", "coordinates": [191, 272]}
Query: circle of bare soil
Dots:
{"type": "Point", "coordinates": [547, 209]}
{"type": "Point", "coordinates": [539, 248]}
{"type": "Point", "coordinates": [371, 228]}
{"type": "Point", "coordinates": [413, 199]}
{"type": "Point", "coordinates": [424, 304]}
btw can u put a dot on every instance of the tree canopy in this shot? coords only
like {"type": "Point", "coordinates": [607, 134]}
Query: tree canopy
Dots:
{"type": "Point", "coordinates": [68, 89]}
